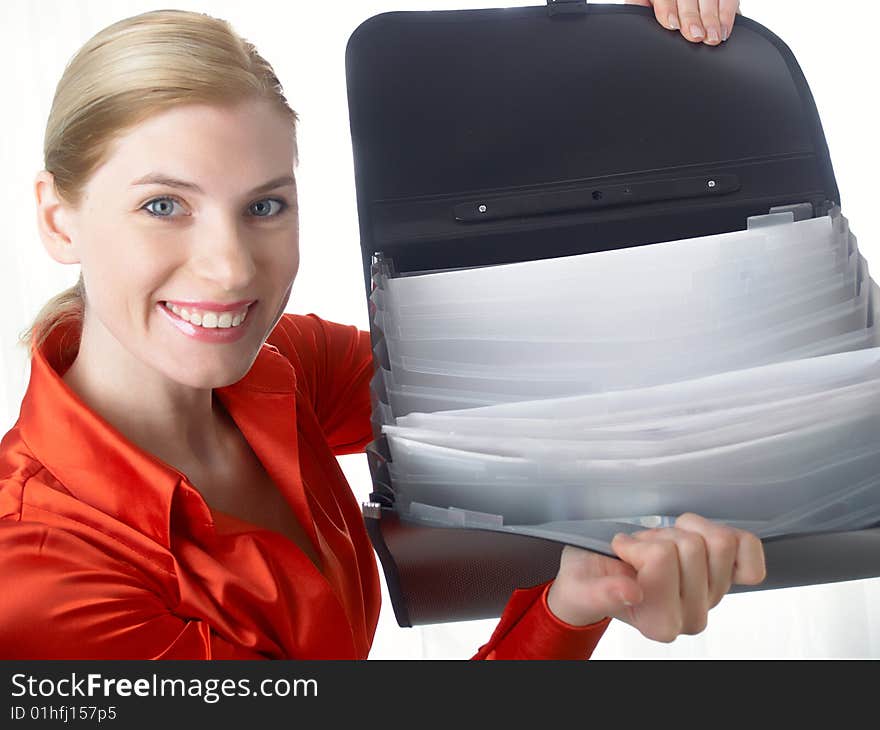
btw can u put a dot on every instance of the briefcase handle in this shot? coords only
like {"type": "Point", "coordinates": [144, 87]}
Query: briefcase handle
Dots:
{"type": "Point", "coordinates": [566, 7]}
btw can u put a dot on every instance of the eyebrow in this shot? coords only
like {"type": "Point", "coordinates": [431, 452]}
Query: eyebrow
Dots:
{"type": "Point", "coordinates": [158, 178]}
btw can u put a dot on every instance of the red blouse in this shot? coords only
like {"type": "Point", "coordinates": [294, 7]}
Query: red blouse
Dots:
{"type": "Point", "coordinates": [107, 552]}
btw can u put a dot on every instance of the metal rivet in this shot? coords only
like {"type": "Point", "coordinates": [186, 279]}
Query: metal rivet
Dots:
{"type": "Point", "coordinates": [482, 208]}
{"type": "Point", "coordinates": [711, 183]}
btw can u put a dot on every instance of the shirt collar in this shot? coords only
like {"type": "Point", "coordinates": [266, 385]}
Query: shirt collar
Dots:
{"type": "Point", "coordinates": [100, 466]}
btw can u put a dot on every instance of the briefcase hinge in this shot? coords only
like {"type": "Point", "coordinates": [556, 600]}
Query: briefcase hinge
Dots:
{"type": "Point", "coordinates": [371, 510]}
{"type": "Point", "coordinates": [567, 7]}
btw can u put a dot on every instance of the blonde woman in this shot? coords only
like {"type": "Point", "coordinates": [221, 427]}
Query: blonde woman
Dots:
{"type": "Point", "coordinates": [170, 489]}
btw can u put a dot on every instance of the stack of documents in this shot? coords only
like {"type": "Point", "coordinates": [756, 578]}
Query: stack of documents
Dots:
{"type": "Point", "coordinates": [736, 376]}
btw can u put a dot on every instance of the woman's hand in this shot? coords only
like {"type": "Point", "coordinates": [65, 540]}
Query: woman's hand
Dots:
{"type": "Point", "coordinates": [700, 21]}
{"type": "Point", "coordinates": [665, 582]}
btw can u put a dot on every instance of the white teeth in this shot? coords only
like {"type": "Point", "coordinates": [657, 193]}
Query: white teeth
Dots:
{"type": "Point", "coordinates": [209, 320]}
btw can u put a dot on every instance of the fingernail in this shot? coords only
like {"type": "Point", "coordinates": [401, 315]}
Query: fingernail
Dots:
{"type": "Point", "coordinates": [696, 31]}
{"type": "Point", "coordinates": [621, 536]}
{"type": "Point", "coordinates": [672, 20]}
{"type": "Point", "coordinates": [724, 32]}
{"type": "Point", "coordinates": [713, 35]}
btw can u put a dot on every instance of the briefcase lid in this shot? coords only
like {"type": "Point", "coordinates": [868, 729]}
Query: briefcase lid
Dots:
{"type": "Point", "coordinates": [499, 135]}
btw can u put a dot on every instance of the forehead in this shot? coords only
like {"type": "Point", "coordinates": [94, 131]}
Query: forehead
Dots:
{"type": "Point", "coordinates": [206, 144]}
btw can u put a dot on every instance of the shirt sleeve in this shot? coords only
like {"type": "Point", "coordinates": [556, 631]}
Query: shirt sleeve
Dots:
{"type": "Point", "coordinates": [66, 599]}
{"type": "Point", "coordinates": [334, 364]}
{"type": "Point", "coordinates": [528, 629]}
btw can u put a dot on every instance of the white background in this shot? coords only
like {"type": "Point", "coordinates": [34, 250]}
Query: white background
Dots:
{"type": "Point", "coordinates": [835, 45]}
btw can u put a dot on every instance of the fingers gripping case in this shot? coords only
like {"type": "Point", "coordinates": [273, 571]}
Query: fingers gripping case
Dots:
{"type": "Point", "coordinates": [506, 135]}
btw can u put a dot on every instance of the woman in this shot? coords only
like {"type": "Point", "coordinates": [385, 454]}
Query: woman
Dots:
{"type": "Point", "coordinates": [170, 489]}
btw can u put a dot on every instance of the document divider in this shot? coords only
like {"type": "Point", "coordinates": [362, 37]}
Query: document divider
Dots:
{"type": "Point", "coordinates": [485, 137]}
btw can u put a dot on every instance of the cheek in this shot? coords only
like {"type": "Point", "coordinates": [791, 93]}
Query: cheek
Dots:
{"type": "Point", "coordinates": [126, 272]}
{"type": "Point", "coordinates": [289, 262]}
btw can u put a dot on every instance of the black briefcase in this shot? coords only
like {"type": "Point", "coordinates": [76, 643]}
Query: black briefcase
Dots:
{"type": "Point", "coordinates": [505, 135]}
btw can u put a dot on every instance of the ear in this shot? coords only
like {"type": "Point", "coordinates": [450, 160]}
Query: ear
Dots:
{"type": "Point", "coordinates": [54, 221]}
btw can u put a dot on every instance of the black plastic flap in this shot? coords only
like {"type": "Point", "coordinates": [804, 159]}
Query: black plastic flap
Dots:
{"type": "Point", "coordinates": [440, 574]}
{"type": "Point", "coordinates": [554, 116]}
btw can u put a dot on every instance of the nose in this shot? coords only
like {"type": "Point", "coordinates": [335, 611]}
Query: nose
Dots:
{"type": "Point", "coordinates": [225, 256]}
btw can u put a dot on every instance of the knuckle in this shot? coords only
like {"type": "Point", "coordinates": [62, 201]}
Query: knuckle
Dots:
{"type": "Point", "coordinates": [697, 624]}
{"type": "Point", "coordinates": [662, 551]}
{"type": "Point", "coordinates": [692, 545]}
{"type": "Point", "coordinates": [758, 576]}
{"type": "Point", "coordinates": [751, 541]}
{"type": "Point", "coordinates": [688, 517]}
{"type": "Point", "coordinates": [722, 542]}
{"type": "Point", "coordinates": [716, 597]}
{"type": "Point", "coordinates": [669, 630]}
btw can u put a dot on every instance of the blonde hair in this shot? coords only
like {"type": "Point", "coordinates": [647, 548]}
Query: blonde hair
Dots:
{"type": "Point", "coordinates": [127, 72]}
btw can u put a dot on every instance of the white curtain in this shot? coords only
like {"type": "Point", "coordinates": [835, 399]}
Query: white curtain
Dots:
{"type": "Point", "coordinates": [306, 42]}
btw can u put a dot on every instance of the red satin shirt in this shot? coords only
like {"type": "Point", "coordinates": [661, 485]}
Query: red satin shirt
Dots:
{"type": "Point", "coordinates": [107, 552]}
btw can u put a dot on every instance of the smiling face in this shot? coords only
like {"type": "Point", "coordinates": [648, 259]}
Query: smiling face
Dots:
{"type": "Point", "coordinates": [223, 239]}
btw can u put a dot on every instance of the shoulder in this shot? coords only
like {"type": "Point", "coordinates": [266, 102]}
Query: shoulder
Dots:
{"type": "Point", "coordinates": [306, 336]}
{"type": "Point", "coordinates": [324, 354]}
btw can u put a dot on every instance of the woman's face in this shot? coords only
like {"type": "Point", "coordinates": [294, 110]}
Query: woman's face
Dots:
{"type": "Point", "coordinates": [230, 235]}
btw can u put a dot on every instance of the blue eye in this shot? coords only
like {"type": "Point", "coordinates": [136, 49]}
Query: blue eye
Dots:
{"type": "Point", "coordinates": [165, 201]}
{"type": "Point", "coordinates": [168, 206]}
{"type": "Point", "coordinates": [281, 206]}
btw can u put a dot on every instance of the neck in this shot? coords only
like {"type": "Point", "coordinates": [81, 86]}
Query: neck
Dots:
{"type": "Point", "coordinates": [186, 427]}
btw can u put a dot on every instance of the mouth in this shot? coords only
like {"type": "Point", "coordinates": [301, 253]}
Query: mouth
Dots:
{"type": "Point", "coordinates": [218, 319]}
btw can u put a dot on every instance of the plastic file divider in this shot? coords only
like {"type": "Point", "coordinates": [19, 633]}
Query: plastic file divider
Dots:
{"type": "Point", "coordinates": [664, 367]}
{"type": "Point", "coordinates": [722, 285]}
{"type": "Point", "coordinates": [853, 507]}
{"type": "Point", "coordinates": [746, 386]}
{"type": "Point", "coordinates": [738, 388]}
{"type": "Point", "coordinates": [514, 352]}
{"type": "Point", "coordinates": [408, 399]}
{"type": "Point", "coordinates": [657, 264]}
{"type": "Point", "coordinates": [650, 425]}
{"type": "Point", "coordinates": [760, 350]}
{"type": "Point", "coordinates": [628, 312]}
{"type": "Point", "coordinates": [687, 312]}
{"type": "Point", "coordinates": [764, 456]}
{"type": "Point", "coordinates": [846, 316]}
{"type": "Point", "coordinates": [525, 492]}
{"type": "Point", "coordinates": [657, 437]}
{"type": "Point", "coordinates": [765, 285]}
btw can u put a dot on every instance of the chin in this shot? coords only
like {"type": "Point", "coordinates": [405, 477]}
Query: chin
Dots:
{"type": "Point", "coordinates": [219, 376]}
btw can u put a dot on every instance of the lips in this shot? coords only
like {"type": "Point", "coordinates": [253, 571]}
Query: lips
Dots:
{"type": "Point", "coordinates": [208, 334]}
{"type": "Point", "coordinates": [210, 306]}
